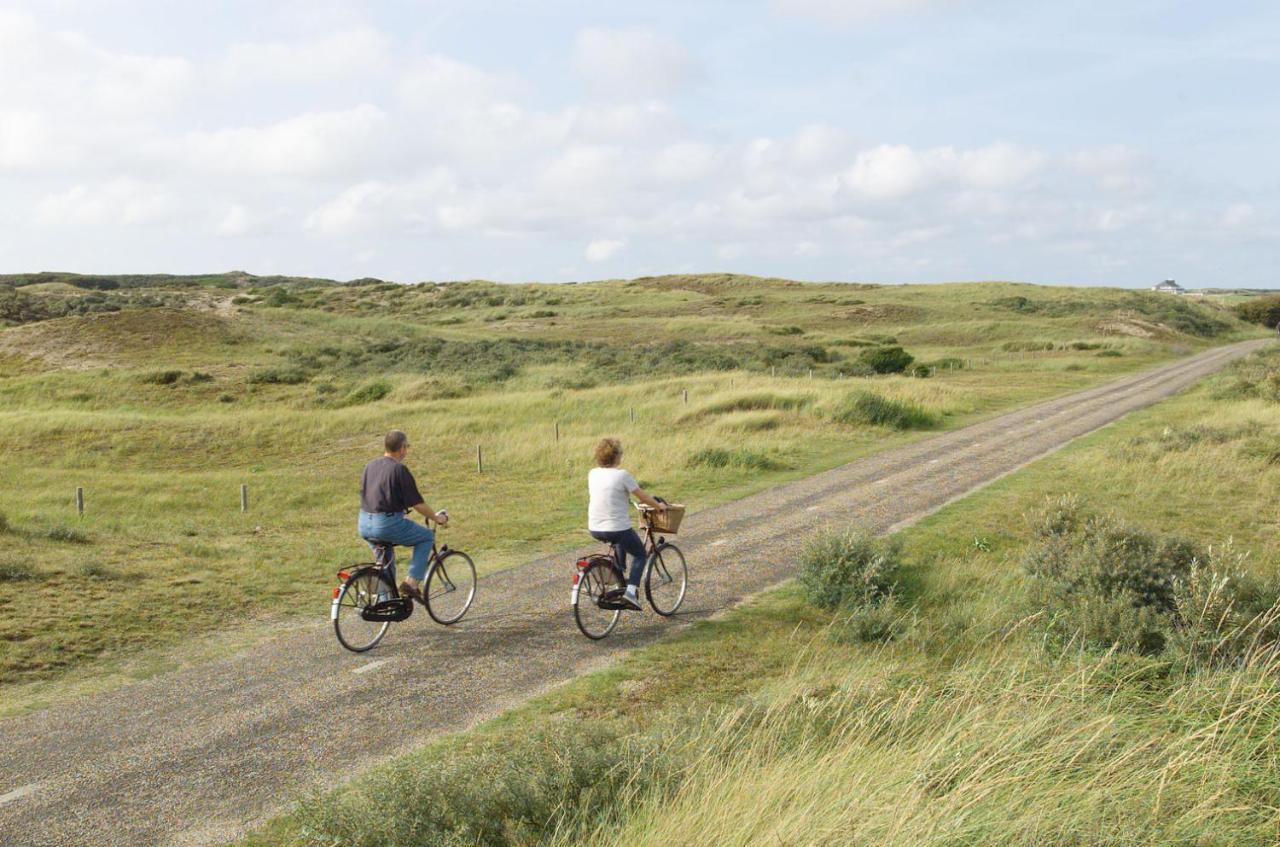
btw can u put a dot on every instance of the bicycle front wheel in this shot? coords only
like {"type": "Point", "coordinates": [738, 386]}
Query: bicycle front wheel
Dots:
{"type": "Point", "coordinates": [362, 589]}
{"type": "Point", "coordinates": [450, 588]}
{"type": "Point", "coordinates": [667, 580]}
{"type": "Point", "coordinates": [593, 582]}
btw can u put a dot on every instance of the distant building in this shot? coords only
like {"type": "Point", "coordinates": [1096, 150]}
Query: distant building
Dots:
{"type": "Point", "coordinates": [1169, 287]}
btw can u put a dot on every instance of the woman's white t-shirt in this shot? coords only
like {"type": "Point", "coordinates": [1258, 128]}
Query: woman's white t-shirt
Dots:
{"type": "Point", "coordinates": [610, 506]}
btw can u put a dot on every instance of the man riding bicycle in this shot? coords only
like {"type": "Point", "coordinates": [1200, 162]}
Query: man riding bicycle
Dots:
{"type": "Point", "coordinates": [387, 491]}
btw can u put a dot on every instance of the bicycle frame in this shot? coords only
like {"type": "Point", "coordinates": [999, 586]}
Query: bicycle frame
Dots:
{"type": "Point", "coordinates": [619, 556]}
{"type": "Point", "coordinates": [389, 565]}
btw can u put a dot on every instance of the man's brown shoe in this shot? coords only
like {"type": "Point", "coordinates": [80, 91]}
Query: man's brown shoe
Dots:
{"type": "Point", "coordinates": [409, 591]}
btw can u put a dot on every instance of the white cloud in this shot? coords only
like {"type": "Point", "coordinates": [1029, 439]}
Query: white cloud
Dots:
{"type": "Point", "coordinates": [1114, 167]}
{"type": "Point", "coordinates": [117, 202]}
{"type": "Point", "coordinates": [1238, 216]}
{"type": "Point", "coordinates": [853, 11]}
{"type": "Point", "coordinates": [686, 161]}
{"type": "Point", "coordinates": [376, 205]}
{"type": "Point", "coordinates": [889, 172]}
{"type": "Point", "coordinates": [439, 82]}
{"type": "Point", "coordinates": [603, 249]}
{"type": "Point", "coordinates": [235, 221]}
{"type": "Point", "coordinates": [355, 53]}
{"type": "Point", "coordinates": [316, 143]}
{"type": "Point", "coordinates": [634, 62]}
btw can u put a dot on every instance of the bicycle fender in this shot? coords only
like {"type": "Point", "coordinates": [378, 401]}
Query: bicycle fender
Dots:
{"type": "Point", "coordinates": [573, 600]}
{"type": "Point", "coordinates": [333, 610]}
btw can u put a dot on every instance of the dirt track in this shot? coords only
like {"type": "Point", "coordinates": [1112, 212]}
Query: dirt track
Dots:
{"type": "Point", "coordinates": [198, 756]}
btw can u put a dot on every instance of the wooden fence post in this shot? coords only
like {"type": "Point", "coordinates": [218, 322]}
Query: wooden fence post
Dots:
{"type": "Point", "coordinates": [479, 459]}
{"type": "Point", "coordinates": [244, 498]}
{"type": "Point", "coordinates": [633, 414]}
{"type": "Point", "coordinates": [79, 501]}
{"type": "Point", "coordinates": [557, 432]}
{"type": "Point", "coordinates": [686, 397]}
{"type": "Point", "coordinates": [773, 370]}
{"type": "Point", "coordinates": [810, 373]}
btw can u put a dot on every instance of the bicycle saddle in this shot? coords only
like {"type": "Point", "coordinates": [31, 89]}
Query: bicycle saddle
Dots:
{"type": "Point", "coordinates": [384, 552]}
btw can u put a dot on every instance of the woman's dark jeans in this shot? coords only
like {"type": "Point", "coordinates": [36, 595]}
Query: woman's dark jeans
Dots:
{"type": "Point", "coordinates": [628, 540]}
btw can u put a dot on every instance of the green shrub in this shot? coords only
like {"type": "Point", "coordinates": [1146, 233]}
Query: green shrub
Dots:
{"type": "Point", "coordinates": [162, 377]}
{"type": "Point", "coordinates": [866, 408]}
{"type": "Point", "coordinates": [517, 792]}
{"type": "Point", "coordinates": [742, 457]}
{"type": "Point", "coordinates": [852, 569]}
{"type": "Point", "coordinates": [541, 313]}
{"type": "Point", "coordinates": [96, 570]}
{"type": "Point", "coordinates": [281, 297]}
{"type": "Point", "coordinates": [785, 330]}
{"type": "Point", "coordinates": [919, 371]}
{"type": "Point", "coordinates": [947, 363]}
{"type": "Point", "coordinates": [66, 534]}
{"type": "Point", "coordinates": [1110, 354]}
{"type": "Point", "coordinates": [278, 376]}
{"type": "Point", "coordinates": [1223, 613]}
{"type": "Point", "coordinates": [370, 392]}
{"type": "Point", "coordinates": [1266, 449]}
{"type": "Point", "coordinates": [756, 402]}
{"type": "Point", "coordinates": [201, 376]}
{"type": "Point", "coordinates": [1255, 376]}
{"type": "Point", "coordinates": [886, 360]}
{"type": "Point", "coordinates": [1026, 346]}
{"type": "Point", "coordinates": [226, 398]}
{"type": "Point", "coordinates": [874, 623]}
{"type": "Point", "coordinates": [1103, 581]}
{"type": "Point", "coordinates": [15, 571]}
{"type": "Point", "coordinates": [1260, 310]}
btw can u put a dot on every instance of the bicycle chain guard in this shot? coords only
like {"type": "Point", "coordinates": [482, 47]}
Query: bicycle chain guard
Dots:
{"type": "Point", "coordinates": [393, 610]}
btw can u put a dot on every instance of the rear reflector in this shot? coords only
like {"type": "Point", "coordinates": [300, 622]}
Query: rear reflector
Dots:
{"type": "Point", "coordinates": [336, 590]}
{"type": "Point", "coordinates": [582, 563]}
{"type": "Point", "coordinates": [342, 575]}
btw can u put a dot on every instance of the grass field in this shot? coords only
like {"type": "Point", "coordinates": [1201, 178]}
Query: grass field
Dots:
{"type": "Point", "coordinates": [162, 397]}
{"type": "Point", "coordinates": [959, 713]}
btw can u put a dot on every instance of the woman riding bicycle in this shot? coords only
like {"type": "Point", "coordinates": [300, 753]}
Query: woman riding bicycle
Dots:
{"type": "Point", "coordinates": [609, 511]}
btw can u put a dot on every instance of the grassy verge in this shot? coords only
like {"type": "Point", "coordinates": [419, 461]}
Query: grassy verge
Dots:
{"type": "Point", "coordinates": [970, 722]}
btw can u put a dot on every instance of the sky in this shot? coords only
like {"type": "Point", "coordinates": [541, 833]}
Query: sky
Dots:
{"type": "Point", "coordinates": [1085, 143]}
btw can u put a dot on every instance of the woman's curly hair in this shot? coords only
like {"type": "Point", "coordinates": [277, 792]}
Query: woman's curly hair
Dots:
{"type": "Point", "coordinates": [607, 452]}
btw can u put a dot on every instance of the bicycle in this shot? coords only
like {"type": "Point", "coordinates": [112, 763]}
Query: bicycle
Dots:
{"type": "Point", "coordinates": [600, 579]}
{"type": "Point", "coordinates": [369, 601]}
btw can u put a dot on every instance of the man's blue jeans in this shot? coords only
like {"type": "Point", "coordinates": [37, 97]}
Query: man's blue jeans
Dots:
{"type": "Point", "coordinates": [397, 529]}
{"type": "Point", "coordinates": [628, 540]}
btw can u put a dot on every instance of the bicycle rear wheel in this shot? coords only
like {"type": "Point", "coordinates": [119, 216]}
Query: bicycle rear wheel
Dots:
{"type": "Point", "coordinates": [450, 588]}
{"type": "Point", "coordinates": [667, 579]}
{"type": "Point", "coordinates": [361, 590]}
{"type": "Point", "coordinates": [593, 582]}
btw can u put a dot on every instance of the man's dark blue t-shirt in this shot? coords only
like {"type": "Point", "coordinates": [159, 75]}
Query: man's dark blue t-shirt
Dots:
{"type": "Point", "coordinates": [387, 486]}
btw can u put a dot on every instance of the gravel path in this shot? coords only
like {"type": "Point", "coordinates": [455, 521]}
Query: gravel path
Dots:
{"type": "Point", "coordinates": [198, 756]}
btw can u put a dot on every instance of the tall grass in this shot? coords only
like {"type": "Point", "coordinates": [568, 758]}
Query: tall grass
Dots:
{"type": "Point", "coordinates": [869, 408]}
{"type": "Point", "coordinates": [1001, 754]}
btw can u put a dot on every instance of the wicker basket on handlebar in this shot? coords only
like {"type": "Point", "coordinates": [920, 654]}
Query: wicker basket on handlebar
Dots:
{"type": "Point", "coordinates": [668, 521]}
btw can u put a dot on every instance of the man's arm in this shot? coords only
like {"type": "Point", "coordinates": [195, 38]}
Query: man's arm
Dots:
{"type": "Point", "coordinates": [426, 511]}
{"type": "Point", "coordinates": [419, 503]}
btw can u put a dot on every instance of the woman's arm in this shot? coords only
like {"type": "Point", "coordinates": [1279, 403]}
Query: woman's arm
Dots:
{"type": "Point", "coordinates": [644, 497]}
